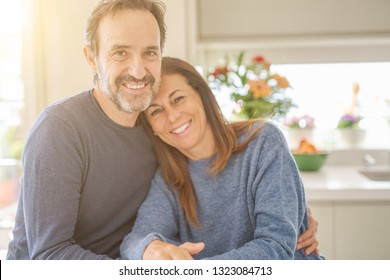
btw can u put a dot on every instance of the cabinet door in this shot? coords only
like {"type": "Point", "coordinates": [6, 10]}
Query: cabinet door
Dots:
{"type": "Point", "coordinates": [323, 212]}
{"type": "Point", "coordinates": [362, 230]}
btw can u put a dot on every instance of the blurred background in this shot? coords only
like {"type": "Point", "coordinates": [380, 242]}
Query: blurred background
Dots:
{"type": "Point", "coordinates": [334, 54]}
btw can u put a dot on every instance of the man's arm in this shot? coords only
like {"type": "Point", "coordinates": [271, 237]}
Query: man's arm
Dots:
{"type": "Point", "coordinates": [51, 191]}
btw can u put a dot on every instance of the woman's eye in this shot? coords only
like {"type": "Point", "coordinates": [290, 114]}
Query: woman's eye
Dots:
{"type": "Point", "coordinates": [154, 112]}
{"type": "Point", "coordinates": [178, 99]}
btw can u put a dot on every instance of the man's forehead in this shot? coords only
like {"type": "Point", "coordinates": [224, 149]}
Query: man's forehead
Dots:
{"type": "Point", "coordinates": [129, 27]}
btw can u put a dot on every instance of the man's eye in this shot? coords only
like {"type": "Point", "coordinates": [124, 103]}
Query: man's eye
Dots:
{"type": "Point", "coordinates": [119, 54]}
{"type": "Point", "coordinates": [151, 53]}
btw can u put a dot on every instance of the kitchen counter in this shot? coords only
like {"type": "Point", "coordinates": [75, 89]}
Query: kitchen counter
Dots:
{"type": "Point", "coordinates": [343, 183]}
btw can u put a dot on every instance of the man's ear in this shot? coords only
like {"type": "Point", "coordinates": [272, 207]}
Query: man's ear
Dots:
{"type": "Point", "coordinates": [91, 60]}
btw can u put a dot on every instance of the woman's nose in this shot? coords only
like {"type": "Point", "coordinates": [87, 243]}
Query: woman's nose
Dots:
{"type": "Point", "coordinates": [172, 114]}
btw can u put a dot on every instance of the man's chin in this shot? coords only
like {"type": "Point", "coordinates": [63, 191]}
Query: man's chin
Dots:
{"type": "Point", "coordinates": [134, 106]}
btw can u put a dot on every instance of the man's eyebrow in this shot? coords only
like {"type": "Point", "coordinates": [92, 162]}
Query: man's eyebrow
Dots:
{"type": "Point", "coordinates": [117, 46]}
{"type": "Point", "coordinates": [153, 47]}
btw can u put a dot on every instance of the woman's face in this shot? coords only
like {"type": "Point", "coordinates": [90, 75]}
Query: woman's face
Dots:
{"type": "Point", "coordinates": [177, 116]}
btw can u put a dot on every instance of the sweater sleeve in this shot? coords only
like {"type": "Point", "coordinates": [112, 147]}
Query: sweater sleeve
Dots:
{"type": "Point", "coordinates": [157, 219]}
{"type": "Point", "coordinates": [278, 202]}
{"type": "Point", "coordinates": [51, 191]}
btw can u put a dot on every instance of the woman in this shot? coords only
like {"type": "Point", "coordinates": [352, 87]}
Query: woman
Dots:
{"type": "Point", "coordinates": [232, 187]}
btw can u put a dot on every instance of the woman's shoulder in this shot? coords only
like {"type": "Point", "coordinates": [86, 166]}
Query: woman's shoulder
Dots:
{"type": "Point", "coordinates": [266, 130]}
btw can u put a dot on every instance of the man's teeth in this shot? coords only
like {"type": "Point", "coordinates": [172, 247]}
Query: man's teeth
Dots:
{"type": "Point", "coordinates": [181, 128]}
{"type": "Point", "coordinates": [132, 86]}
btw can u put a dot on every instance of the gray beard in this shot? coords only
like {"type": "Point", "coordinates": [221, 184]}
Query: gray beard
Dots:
{"type": "Point", "coordinates": [135, 103]}
{"type": "Point", "coordinates": [138, 103]}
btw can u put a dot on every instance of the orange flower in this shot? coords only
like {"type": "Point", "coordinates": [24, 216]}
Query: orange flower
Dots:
{"type": "Point", "coordinates": [259, 88]}
{"type": "Point", "coordinates": [282, 81]}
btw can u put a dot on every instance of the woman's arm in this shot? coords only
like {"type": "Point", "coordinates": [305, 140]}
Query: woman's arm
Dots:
{"type": "Point", "coordinates": [279, 205]}
{"type": "Point", "coordinates": [155, 231]}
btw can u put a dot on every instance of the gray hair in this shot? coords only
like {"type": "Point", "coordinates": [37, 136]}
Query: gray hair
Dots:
{"type": "Point", "coordinates": [105, 7]}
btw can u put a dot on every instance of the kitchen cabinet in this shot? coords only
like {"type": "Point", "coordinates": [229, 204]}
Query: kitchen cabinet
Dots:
{"type": "Point", "coordinates": [353, 213]}
{"type": "Point", "coordinates": [353, 230]}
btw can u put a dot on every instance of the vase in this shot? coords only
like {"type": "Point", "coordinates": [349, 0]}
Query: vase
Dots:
{"type": "Point", "coordinates": [296, 135]}
{"type": "Point", "coordinates": [351, 137]}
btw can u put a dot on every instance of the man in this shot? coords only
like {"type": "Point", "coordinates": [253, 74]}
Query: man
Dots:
{"type": "Point", "coordinates": [87, 165]}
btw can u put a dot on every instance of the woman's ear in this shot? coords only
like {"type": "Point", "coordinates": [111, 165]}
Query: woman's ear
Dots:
{"type": "Point", "coordinates": [91, 60]}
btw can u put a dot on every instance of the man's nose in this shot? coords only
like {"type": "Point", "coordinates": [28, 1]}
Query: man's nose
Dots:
{"type": "Point", "coordinates": [136, 68]}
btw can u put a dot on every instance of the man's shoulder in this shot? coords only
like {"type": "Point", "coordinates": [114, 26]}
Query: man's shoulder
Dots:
{"type": "Point", "coordinates": [79, 100]}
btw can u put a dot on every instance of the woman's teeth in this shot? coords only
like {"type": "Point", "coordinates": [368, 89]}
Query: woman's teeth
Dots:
{"type": "Point", "coordinates": [181, 128]}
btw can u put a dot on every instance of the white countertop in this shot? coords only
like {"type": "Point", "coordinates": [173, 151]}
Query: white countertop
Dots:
{"type": "Point", "coordinates": [343, 183]}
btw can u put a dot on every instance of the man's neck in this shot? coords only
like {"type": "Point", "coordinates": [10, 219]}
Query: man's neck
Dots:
{"type": "Point", "coordinates": [109, 108]}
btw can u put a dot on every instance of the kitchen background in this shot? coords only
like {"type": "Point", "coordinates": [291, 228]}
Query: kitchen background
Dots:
{"type": "Point", "coordinates": [333, 53]}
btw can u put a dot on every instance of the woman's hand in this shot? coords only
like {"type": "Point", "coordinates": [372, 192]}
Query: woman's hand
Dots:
{"type": "Point", "coordinates": [160, 250]}
{"type": "Point", "coordinates": [308, 239]}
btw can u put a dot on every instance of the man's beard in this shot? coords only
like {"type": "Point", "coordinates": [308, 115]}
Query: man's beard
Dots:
{"type": "Point", "coordinates": [130, 103]}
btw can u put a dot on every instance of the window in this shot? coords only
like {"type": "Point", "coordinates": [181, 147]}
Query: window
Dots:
{"type": "Point", "coordinates": [11, 105]}
{"type": "Point", "coordinates": [11, 85]}
{"type": "Point", "coordinates": [324, 91]}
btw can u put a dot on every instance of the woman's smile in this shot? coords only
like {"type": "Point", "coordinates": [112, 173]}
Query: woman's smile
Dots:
{"type": "Point", "coordinates": [181, 129]}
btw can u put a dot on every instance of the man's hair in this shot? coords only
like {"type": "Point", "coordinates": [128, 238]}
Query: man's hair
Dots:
{"type": "Point", "coordinates": [106, 7]}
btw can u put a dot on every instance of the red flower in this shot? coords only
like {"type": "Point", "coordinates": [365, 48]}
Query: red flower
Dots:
{"type": "Point", "coordinates": [258, 59]}
{"type": "Point", "coordinates": [222, 70]}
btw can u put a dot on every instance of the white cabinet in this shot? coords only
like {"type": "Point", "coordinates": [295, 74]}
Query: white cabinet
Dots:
{"type": "Point", "coordinates": [353, 230]}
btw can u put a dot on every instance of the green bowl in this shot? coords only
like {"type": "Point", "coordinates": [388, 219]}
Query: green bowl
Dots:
{"type": "Point", "coordinates": [310, 162]}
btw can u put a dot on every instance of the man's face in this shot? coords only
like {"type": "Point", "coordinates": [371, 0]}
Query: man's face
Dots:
{"type": "Point", "coordinates": [129, 59]}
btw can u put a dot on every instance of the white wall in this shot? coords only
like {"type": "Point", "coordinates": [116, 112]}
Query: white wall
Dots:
{"type": "Point", "coordinates": [299, 31]}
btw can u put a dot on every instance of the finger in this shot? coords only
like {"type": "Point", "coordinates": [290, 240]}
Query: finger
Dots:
{"type": "Point", "coordinates": [311, 249]}
{"type": "Point", "coordinates": [306, 242]}
{"type": "Point", "coordinates": [308, 234]}
{"type": "Point", "coordinates": [310, 231]}
{"type": "Point", "coordinates": [313, 223]}
{"type": "Point", "coordinates": [192, 248]}
{"type": "Point", "coordinates": [180, 254]}
{"type": "Point", "coordinates": [159, 250]}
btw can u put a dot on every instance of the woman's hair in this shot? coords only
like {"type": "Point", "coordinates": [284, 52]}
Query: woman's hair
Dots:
{"type": "Point", "coordinates": [173, 164]}
{"type": "Point", "coordinates": [106, 7]}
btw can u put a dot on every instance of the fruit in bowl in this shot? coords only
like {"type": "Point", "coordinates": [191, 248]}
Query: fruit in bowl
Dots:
{"type": "Point", "coordinates": [308, 157]}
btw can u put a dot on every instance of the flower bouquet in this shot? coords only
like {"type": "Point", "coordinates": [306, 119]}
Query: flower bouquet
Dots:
{"type": "Point", "coordinates": [256, 90]}
{"type": "Point", "coordinates": [349, 121]}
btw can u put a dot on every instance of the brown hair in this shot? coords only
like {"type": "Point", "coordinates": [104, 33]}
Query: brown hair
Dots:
{"type": "Point", "coordinates": [173, 164]}
{"type": "Point", "coordinates": [105, 7]}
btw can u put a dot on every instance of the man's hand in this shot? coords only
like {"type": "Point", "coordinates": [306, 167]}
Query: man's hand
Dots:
{"type": "Point", "coordinates": [160, 250]}
{"type": "Point", "coordinates": [308, 238]}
